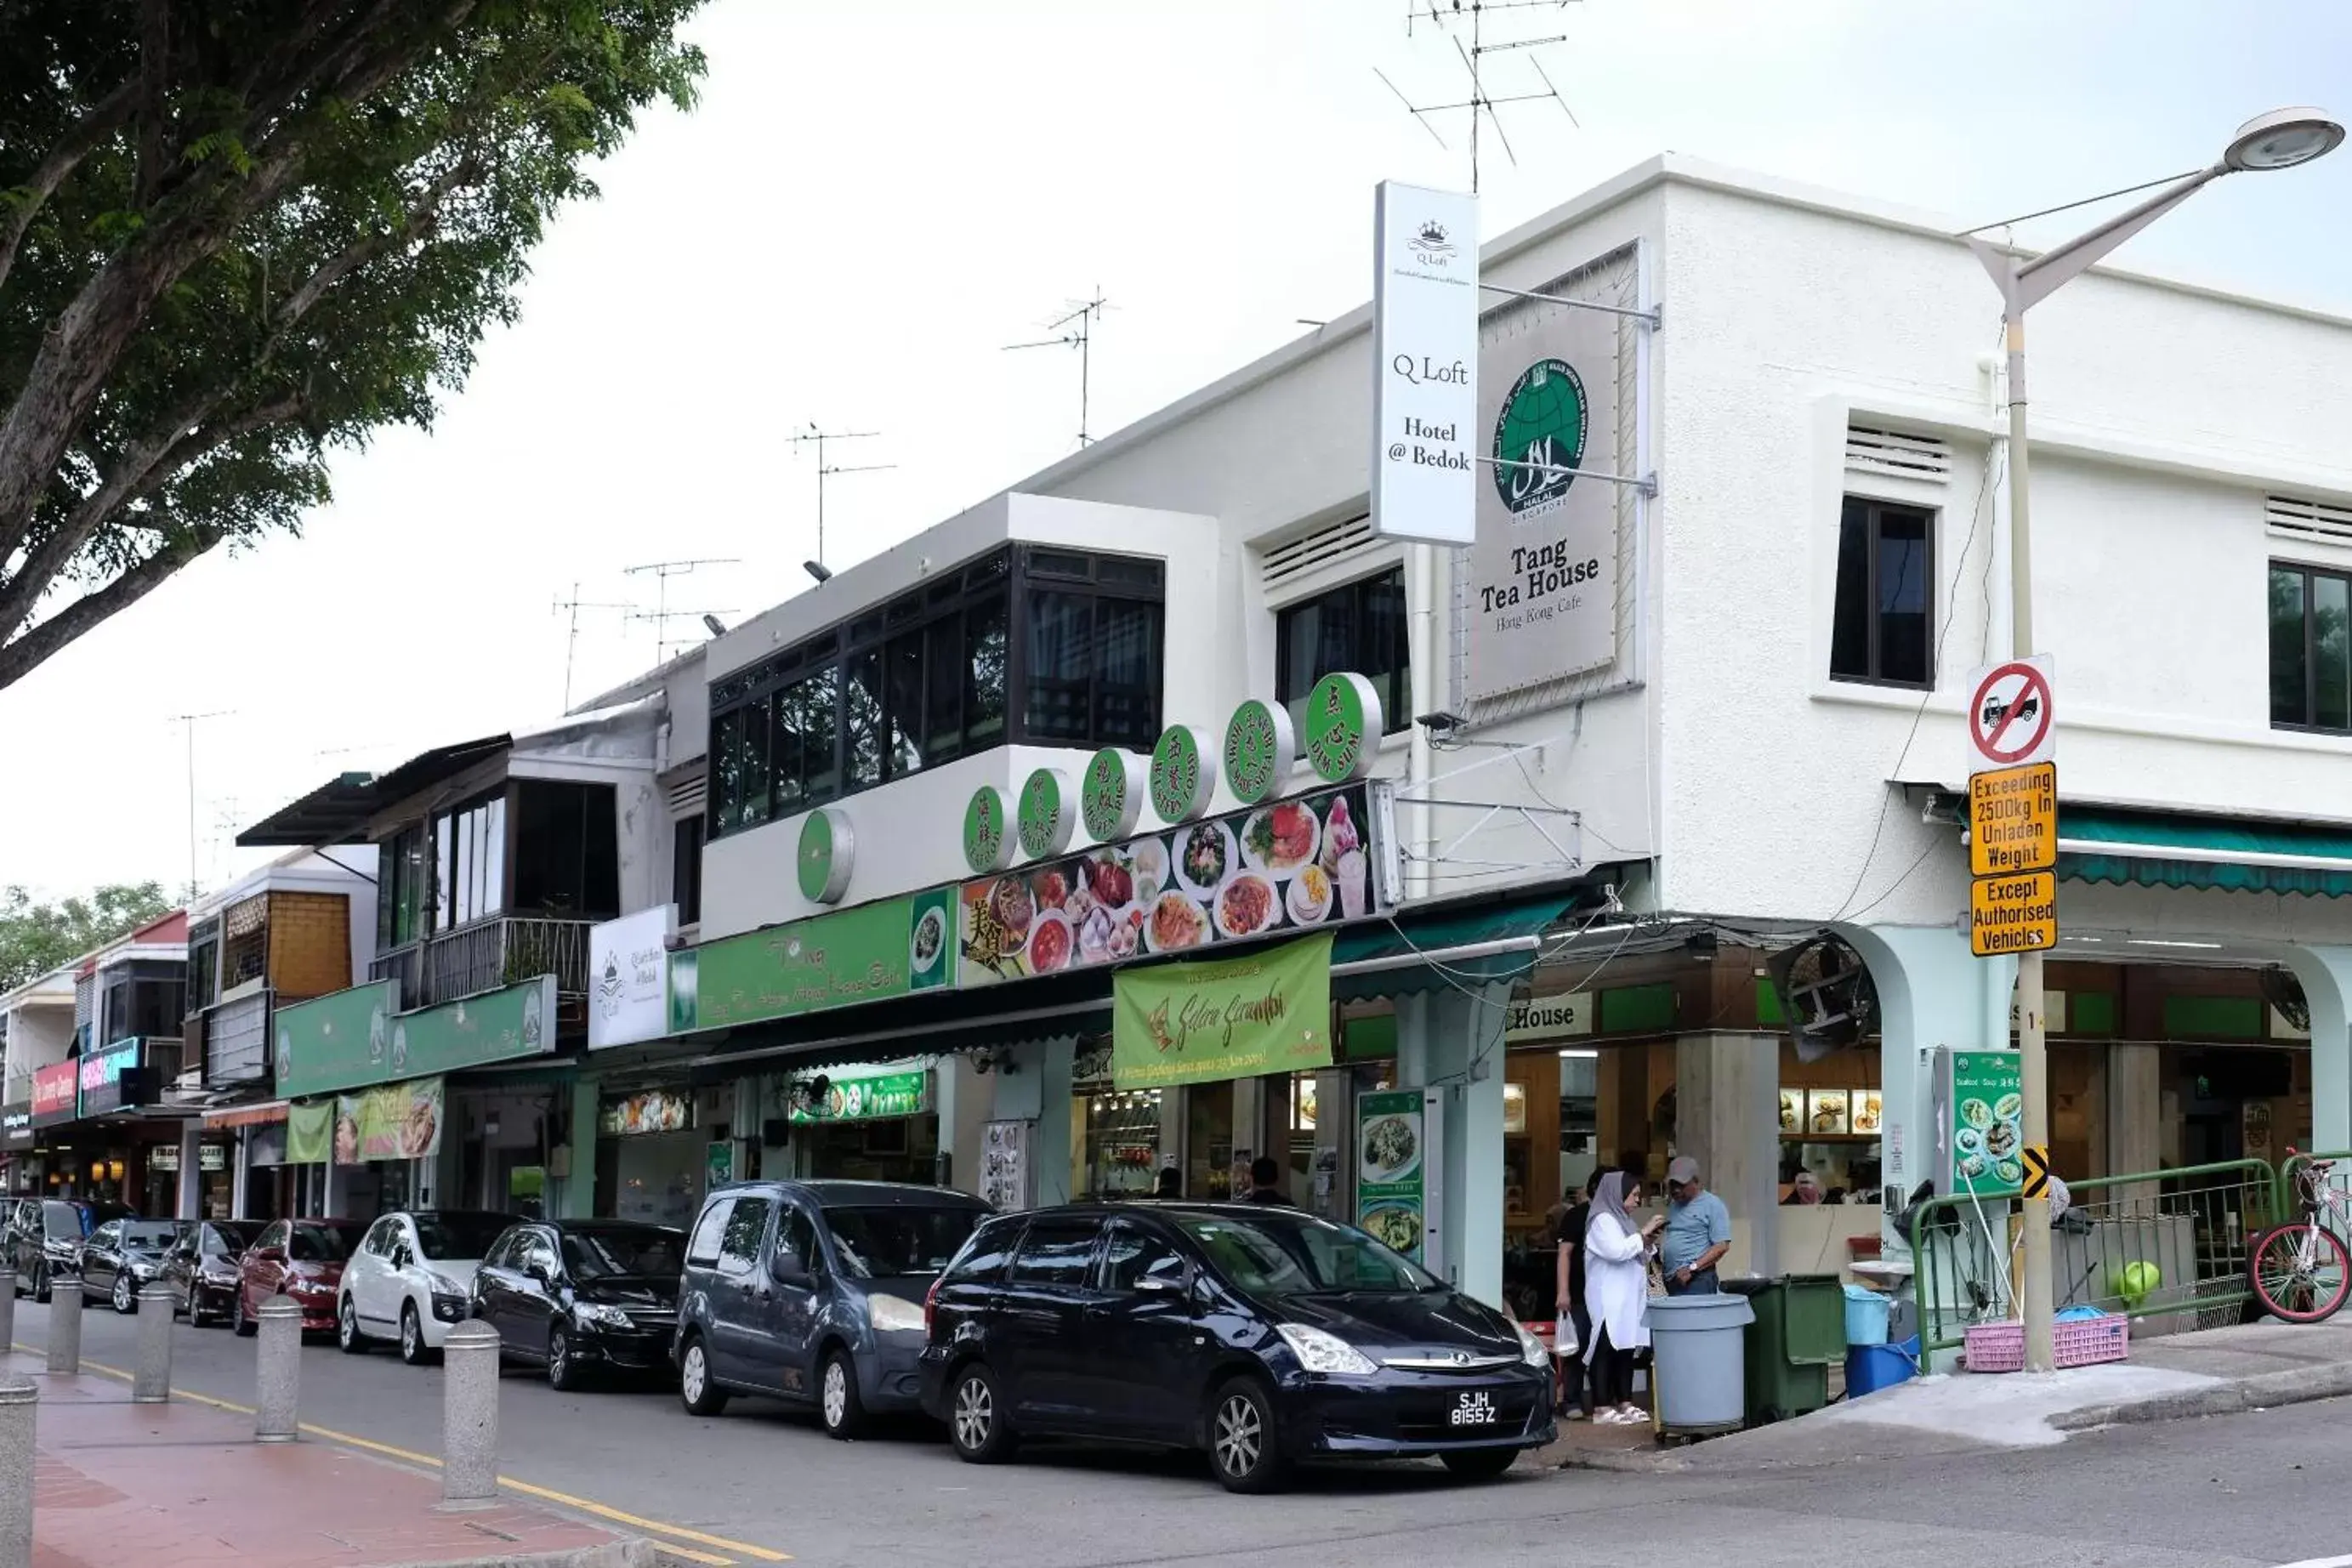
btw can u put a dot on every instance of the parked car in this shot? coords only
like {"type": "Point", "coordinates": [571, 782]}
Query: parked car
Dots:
{"type": "Point", "coordinates": [202, 1268]}
{"type": "Point", "coordinates": [123, 1256]}
{"type": "Point", "coordinates": [46, 1236]}
{"type": "Point", "coordinates": [1264, 1335]}
{"type": "Point", "coordinates": [412, 1279]}
{"type": "Point", "coordinates": [808, 1292]}
{"type": "Point", "coordinates": [303, 1259]}
{"type": "Point", "coordinates": [576, 1294]}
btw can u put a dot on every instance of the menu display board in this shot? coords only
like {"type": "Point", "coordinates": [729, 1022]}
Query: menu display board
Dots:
{"type": "Point", "coordinates": [1988, 1121]}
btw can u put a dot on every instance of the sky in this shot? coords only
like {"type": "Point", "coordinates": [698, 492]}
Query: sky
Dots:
{"type": "Point", "coordinates": [871, 200]}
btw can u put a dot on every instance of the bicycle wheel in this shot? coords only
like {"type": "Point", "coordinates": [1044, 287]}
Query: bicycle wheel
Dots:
{"type": "Point", "coordinates": [2301, 1273]}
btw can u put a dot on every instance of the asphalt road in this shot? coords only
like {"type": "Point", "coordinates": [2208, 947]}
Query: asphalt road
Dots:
{"type": "Point", "coordinates": [2235, 1492]}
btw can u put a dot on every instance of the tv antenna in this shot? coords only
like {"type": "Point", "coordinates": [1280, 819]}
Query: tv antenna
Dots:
{"type": "Point", "coordinates": [825, 470]}
{"type": "Point", "coordinates": [191, 720]}
{"type": "Point", "coordinates": [572, 606]}
{"type": "Point", "coordinates": [1075, 330]}
{"type": "Point", "coordinates": [661, 615]}
{"type": "Point", "coordinates": [1447, 17]}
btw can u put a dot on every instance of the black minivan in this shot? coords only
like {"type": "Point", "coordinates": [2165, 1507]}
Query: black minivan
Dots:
{"type": "Point", "coordinates": [1261, 1334]}
{"type": "Point", "coordinates": [812, 1292]}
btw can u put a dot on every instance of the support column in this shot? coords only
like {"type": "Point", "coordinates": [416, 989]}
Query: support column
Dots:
{"type": "Point", "coordinates": [579, 1194]}
{"type": "Point", "coordinates": [2134, 1110]}
{"type": "Point", "coordinates": [190, 1201]}
{"type": "Point", "coordinates": [1454, 1041]}
{"type": "Point", "coordinates": [1034, 1085]}
{"type": "Point", "coordinates": [1727, 1117]}
{"type": "Point", "coordinates": [963, 1107]}
{"type": "Point", "coordinates": [2327, 976]}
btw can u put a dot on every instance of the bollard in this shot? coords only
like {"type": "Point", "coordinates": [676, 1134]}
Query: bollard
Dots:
{"type": "Point", "coordinates": [7, 1308]}
{"type": "Point", "coordinates": [278, 1368]}
{"type": "Point", "coordinates": [19, 1400]}
{"type": "Point", "coordinates": [65, 1324]}
{"type": "Point", "coordinates": [151, 1375]}
{"type": "Point", "coordinates": [469, 1415]}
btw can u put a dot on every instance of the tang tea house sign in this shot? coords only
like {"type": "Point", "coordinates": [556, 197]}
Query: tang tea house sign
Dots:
{"type": "Point", "coordinates": [869, 1098]}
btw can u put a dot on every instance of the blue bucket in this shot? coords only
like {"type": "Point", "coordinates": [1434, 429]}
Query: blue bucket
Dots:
{"type": "Point", "coordinates": [1869, 1368]}
{"type": "Point", "coordinates": [1866, 1315]}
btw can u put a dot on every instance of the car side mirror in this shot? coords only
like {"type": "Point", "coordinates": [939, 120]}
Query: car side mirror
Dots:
{"type": "Point", "coordinates": [1159, 1285]}
{"type": "Point", "coordinates": [541, 1272]}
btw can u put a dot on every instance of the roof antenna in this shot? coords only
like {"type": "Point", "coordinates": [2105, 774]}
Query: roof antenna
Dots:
{"type": "Point", "coordinates": [825, 470]}
{"type": "Point", "coordinates": [575, 604]}
{"type": "Point", "coordinates": [661, 615]}
{"type": "Point", "coordinates": [1075, 330]}
{"type": "Point", "coordinates": [1449, 16]}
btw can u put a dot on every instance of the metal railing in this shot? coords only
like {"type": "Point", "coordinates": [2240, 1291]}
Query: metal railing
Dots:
{"type": "Point", "coordinates": [2154, 1246]}
{"type": "Point", "coordinates": [486, 955]}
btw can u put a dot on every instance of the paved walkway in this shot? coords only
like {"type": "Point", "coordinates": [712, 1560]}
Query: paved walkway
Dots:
{"type": "Point", "coordinates": [185, 1484]}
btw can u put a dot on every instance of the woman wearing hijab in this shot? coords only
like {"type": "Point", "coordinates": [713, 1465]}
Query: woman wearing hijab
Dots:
{"type": "Point", "coordinates": [1616, 1294]}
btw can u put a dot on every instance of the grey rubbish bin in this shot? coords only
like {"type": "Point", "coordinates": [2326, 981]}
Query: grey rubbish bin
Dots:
{"type": "Point", "coordinates": [1699, 1362]}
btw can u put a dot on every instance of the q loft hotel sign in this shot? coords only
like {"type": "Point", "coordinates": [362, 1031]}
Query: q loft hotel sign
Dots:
{"type": "Point", "coordinates": [1425, 363]}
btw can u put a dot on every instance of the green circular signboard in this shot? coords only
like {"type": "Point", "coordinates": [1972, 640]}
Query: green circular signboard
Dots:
{"type": "Point", "coordinates": [1261, 748]}
{"type": "Point", "coordinates": [1047, 818]}
{"type": "Point", "coordinates": [1110, 798]}
{"type": "Point", "coordinates": [1343, 727]}
{"type": "Point", "coordinates": [1183, 773]}
{"type": "Point", "coordinates": [828, 848]}
{"type": "Point", "coordinates": [987, 831]}
{"type": "Point", "coordinates": [1539, 437]}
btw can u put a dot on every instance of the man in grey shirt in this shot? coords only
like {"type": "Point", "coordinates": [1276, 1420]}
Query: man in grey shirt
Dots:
{"type": "Point", "coordinates": [1698, 1233]}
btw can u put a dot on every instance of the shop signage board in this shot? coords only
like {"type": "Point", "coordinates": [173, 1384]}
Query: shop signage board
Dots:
{"type": "Point", "coordinates": [988, 841]}
{"type": "Point", "coordinates": [16, 1124]}
{"type": "Point", "coordinates": [1183, 773]}
{"type": "Point", "coordinates": [827, 854]}
{"type": "Point", "coordinates": [310, 1133]}
{"type": "Point", "coordinates": [99, 1078]}
{"type": "Point", "coordinates": [164, 1158]}
{"type": "Point", "coordinates": [390, 1122]}
{"type": "Point", "coordinates": [1295, 864]}
{"type": "Point", "coordinates": [1394, 1161]}
{"type": "Point", "coordinates": [54, 1093]}
{"type": "Point", "coordinates": [1110, 797]}
{"type": "Point", "coordinates": [1344, 725]}
{"type": "Point", "coordinates": [649, 1110]}
{"type": "Point", "coordinates": [336, 1041]}
{"type": "Point", "coordinates": [1047, 814]}
{"type": "Point", "coordinates": [1533, 1018]}
{"type": "Point", "coordinates": [1425, 362]}
{"type": "Point", "coordinates": [1004, 1165]}
{"type": "Point", "coordinates": [866, 953]}
{"type": "Point", "coordinates": [871, 1097]}
{"type": "Point", "coordinates": [1261, 750]}
{"type": "Point", "coordinates": [1267, 1011]}
{"type": "Point", "coordinates": [1985, 1131]}
{"type": "Point", "coordinates": [717, 1164]}
{"type": "Point", "coordinates": [628, 977]}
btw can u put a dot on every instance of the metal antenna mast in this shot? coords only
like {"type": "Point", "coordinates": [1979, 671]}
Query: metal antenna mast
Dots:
{"type": "Point", "coordinates": [825, 470]}
{"type": "Point", "coordinates": [1075, 330]}
{"type": "Point", "coordinates": [662, 615]}
{"type": "Point", "coordinates": [572, 606]}
{"type": "Point", "coordinates": [1473, 57]}
{"type": "Point", "coordinates": [191, 721]}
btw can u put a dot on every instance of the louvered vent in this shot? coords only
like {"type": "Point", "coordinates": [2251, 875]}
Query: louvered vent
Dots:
{"type": "Point", "coordinates": [2311, 521]}
{"type": "Point", "coordinates": [1897, 455]}
{"type": "Point", "coordinates": [1332, 541]}
{"type": "Point", "coordinates": [686, 796]}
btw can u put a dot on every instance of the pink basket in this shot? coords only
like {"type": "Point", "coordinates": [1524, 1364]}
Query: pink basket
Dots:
{"type": "Point", "coordinates": [2084, 1341]}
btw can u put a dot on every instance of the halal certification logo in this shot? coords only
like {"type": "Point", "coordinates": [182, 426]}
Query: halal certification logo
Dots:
{"type": "Point", "coordinates": [1539, 437]}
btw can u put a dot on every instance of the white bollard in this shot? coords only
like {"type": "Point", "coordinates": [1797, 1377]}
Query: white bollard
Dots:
{"type": "Point", "coordinates": [7, 1307]}
{"type": "Point", "coordinates": [277, 1371]}
{"type": "Point", "coordinates": [151, 1375]}
{"type": "Point", "coordinates": [65, 1324]}
{"type": "Point", "coordinates": [19, 1402]}
{"type": "Point", "coordinates": [469, 1415]}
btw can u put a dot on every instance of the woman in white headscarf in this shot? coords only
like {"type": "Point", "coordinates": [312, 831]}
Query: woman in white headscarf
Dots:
{"type": "Point", "coordinates": [1616, 1295]}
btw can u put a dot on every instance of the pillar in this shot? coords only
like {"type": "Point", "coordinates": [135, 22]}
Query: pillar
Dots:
{"type": "Point", "coordinates": [240, 1167]}
{"type": "Point", "coordinates": [1033, 1085]}
{"type": "Point", "coordinates": [2326, 973]}
{"type": "Point", "coordinates": [1453, 1040]}
{"type": "Point", "coordinates": [190, 1202]}
{"type": "Point", "coordinates": [963, 1101]}
{"type": "Point", "coordinates": [2133, 1111]}
{"type": "Point", "coordinates": [1727, 1117]}
{"type": "Point", "coordinates": [339, 1193]}
{"type": "Point", "coordinates": [579, 1194]}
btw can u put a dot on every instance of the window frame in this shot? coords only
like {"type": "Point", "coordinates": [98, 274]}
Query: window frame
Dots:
{"type": "Point", "coordinates": [474, 827]}
{"type": "Point", "coordinates": [1357, 589]}
{"type": "Point", "coordinates": [1876, 510]}
{"type": "Point", "coordinates": [687, 836]}
{"type": "Point", "coordinates": [2310, 574]}
{"type": "Point", "coordinates": [714, 1217]}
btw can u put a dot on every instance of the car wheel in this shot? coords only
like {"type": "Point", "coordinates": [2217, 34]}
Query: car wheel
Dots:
{"type": "Point", "coordinates": [562, 1371]}
{"type": "Point", "coordinates": [1243, 1449]}
{"type": "Point", "coordinates": [697, 1389]}
{"type": "Point", "coordinates": [412, 1348]}
{"type": "Point", "coordinates": [1479, 1464]}
{"type": "Point", "coordinates": [978, 1423]}
{"type": "Point", "coordinates": [41, 1283]}
{"type": "Point", "coordinates": [838, 1402]}
{"type": "Point", "coordinates": [124, 1302]}
{"type": "Point", "coordinates": [245, 1328]}
{"type": "Point", "coordinates": [347, 1327]}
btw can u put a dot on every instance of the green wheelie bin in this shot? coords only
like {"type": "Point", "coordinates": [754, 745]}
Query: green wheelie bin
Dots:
{"type": "Point", "coordinates": [1798, 1335]}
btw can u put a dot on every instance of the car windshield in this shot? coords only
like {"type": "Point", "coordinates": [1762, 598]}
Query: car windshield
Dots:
{"type": "Point", "coordinates": [894, 1241]}
{"type": "Point", "coordinates": [1297, 1255]}
{"type": "Point", "coordinates": [222, 1239]}
{"type": "Point", "coordinates": [460, 1237]}
{"type": "Point", "coordinates": [150, 1235]}
{"type": "Point", "coordinates": [67, 1219]}
{"type": "Point", "coordinates": [593, 1253]}
{"type": "Point", "coordinates": [312, 1243]}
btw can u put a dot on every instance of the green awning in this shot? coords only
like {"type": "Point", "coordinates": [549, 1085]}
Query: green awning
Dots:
{"type": "Point", "coordinates": [2167, 850]}
{"type": "Point", "coordinates": [1422, 950]}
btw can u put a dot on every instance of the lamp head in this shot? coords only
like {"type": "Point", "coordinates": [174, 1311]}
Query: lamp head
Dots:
{"type": "Point", "coordinates": [2282, 139]}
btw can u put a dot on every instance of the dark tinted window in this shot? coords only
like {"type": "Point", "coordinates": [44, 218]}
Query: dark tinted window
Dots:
{"type": "Point", "coordinates": [703, 1250]}
{"type": "Point", "coordinates": [589, 1253]}
{"type": "Point", "coordinates": [881, 1243]}
{"type": "Point", "coordinates": [150, 1234]}
{"type": "Point", "coordinates": [1133, 1252]}
{"type": "Point", "coordinates": [1883, 622]}
{"type": "Point", "coordinates": [1280, 1254]}
{"type": "Point", "coordinates": [1056, 1252]}
{"type": "Point", "coordinates": [312, 1242]}
{"type": "Point", "coordinates": [458, 1236]}
{"type": "Point", "coordinates": [228, 1241]}
{"type": "Point", "coordinates": [984, 1255]}
{"type": "Point", "coordinates": [63, 1219]}
{"type": "Point", "coordinates": [567, 849]}
{"type": "Point", "coordinates": [739, 1248]}
{"type": "Point", "coordinates": [2310, 648]}
{"type": "Point", "coordinates": [796, 1236]}
{"type": "Point", "coordinates": [1359, 628]}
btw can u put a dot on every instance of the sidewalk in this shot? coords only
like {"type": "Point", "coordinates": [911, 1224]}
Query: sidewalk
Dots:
{"type": "Point", "coordinates": [185, 1484]}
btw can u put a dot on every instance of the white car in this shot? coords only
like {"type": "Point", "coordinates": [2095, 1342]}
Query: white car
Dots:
{"type": "Point", "coordinates": [412, 1279]}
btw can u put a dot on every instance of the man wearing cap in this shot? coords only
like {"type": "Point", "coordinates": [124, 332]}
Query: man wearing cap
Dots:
{"type": "Point", "coordinates": [1698, 1233]}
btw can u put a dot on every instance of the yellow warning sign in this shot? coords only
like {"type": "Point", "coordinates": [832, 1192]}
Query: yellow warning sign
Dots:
{"type": "Point", "coordinates": [2013, 914]}
{"type": "Point", "coordinates": [2014, 820]}
{"type": "Point", "coordinates": [2036, 1158]}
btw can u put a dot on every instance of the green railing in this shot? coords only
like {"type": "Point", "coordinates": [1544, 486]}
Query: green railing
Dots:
{"type": "Point", "coordinates": [2164, 1243]}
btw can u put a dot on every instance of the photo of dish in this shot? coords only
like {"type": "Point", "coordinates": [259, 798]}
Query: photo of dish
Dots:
{"type": "Point", "coordinates": [1869, 1108]}
{"type": "Point", "coordinates": [1392, 1147]}
{"type": "Point", "coordinates": [2008, 1172]}
{"type": "Point", "coordinates": [1204, 852]}
{"type": "Point", "coordinates": [1280, 838]}
{"type": "Point", "coordinates": [2008, 1107]}
{"type": "Point", "coordinates": [1176, 924]}
{"type": "Point", "coordinates": [1127, 931]}
{"type": "Point", "coordinates": [1050, 942]}
{"type": "Point", "coordinates": [1969, 1141]}
{"type": "Point", "coordinates": [1148, 861]}
{"type": "Point", "coordinates": [931, 935]}
{"type": "Point", "coordinates": [1828, 1110]}
{"type": "Point", "coordinates": [1975, 1113]}
{"type": "Point", "coordinates": [1246, 906]}
{"type": "Point", "coordinates": [1309, 897]}
{"type": "Point", "coordinates": [1011, 903]}
{"type": "Point", "coordinates": [2001, 1140]}
{"type": "Point", "coordinates": [1095, 934]}
{"type": "Point", "coordinates": [1972, 1166]}
{"type": "Point", "coordinates": [1792, 1110]}
{"type": "Point", "coordinates": [1396, 1226]}
{"type": "Point", "coordinates": [1051, 887]}
{"type": "Point", "coordinates": [419, 1130]}
{"type": "Point", "coordinates": [1108, 879]}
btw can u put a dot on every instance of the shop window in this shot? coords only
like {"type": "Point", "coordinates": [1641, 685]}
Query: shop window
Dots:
{"type": "Point", "coordinates": [1359, 628]}
{"type": "Point", "coordinates": [470, 859]}
{"type": "Point", "coordinates": [739, 1247]}
{"type": "Point", "coordinates": [1882, 626]}
{"type": "Point", "coordinates": [401, 899]}
{"type": "Point", "coordinates": [685, 868]}
{"type": "Point", "coordinates": [702, 1251]}
{"type": "Point", "coordinates": [567, 849]}
{"type": "Point", "coordinates": [2311, 649]}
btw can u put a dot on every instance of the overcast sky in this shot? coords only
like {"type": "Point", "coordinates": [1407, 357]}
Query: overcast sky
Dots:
{"type": "Point", "coordinates": [873, 198]}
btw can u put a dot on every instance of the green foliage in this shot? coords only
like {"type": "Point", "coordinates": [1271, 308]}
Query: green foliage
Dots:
{"type": "Point", "coordinates": [237, 235]}
{"type": "Point", "coordinates": [36, 938]}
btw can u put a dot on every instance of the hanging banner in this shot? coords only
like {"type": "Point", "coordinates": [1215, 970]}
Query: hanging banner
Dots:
{"type": "Point", "coordinates": [310, 1133]}
{"type": "Point", "coordinates": [390, 1122]}
{"type": "Point", "coordinates": [1424, 362]}
{"type": "Point", "coordinates": [1267, 1011]}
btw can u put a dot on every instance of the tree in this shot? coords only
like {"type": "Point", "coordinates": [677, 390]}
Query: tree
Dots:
{"type": "Point", "coordinates": [237, 233]}
{"type": "Point", "coordinates": [36, 938]}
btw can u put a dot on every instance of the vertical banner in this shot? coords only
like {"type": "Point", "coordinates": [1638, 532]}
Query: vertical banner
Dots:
{"type": "Point", "coordinates": [1424, 362]}
{"type": "Point", "coordinates": [1392, 1170]}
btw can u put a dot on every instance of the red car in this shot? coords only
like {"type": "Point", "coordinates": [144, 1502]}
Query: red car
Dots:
{"type": "Point", "coordinates": [302, 1258]}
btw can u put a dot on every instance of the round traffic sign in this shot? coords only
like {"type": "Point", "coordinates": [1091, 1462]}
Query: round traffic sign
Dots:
{"type": "Point", "coordinates": [2009, 715]}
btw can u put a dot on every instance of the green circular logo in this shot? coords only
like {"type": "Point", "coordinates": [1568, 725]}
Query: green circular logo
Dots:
{"type": "Point", "coordinates": [1183, 773]}
{"type": "Point", "coordinates": [1046, 818]}
{"type": "Point", "coordinates": [1539, 437]}
{"type": "Point", "coordinates": [987, 831]}
{"type": "Point", "coordinates": [1111, 797]}
{"type": "Point", "coordinates": [1343, 726]}
{"type": "Point", "coordinates": [1261, 748]}
{"type": "Point", "coordinates": [827, 849]}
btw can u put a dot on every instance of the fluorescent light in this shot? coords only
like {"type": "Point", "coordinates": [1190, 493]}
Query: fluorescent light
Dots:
{"type": "Point", "coordinates": [2153, 941]}
{"type": "Point", "coordinates": [1580, 1055]}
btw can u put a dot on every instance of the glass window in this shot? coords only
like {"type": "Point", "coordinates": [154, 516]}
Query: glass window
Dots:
{"type": "Point", "coordinates": [567, 849]}
{"type": "Point", "coordinates": [326, 1241]}
{"type": "Point", "coordinates": [908, 715]}
{"type": "Point", "coordinates": [727, 770]}
{"type": "Point", "coordinates": [458, 1236]}
{"type": "Point", "coordinates": [899, 1240]}
{"type": "Point", "coordinates": [685, 868]}
{"type": "Point", "coordinates": [596, 1254]}
{"type": "Point", "coordinates": [403, 890]}
{"type": "Point", "coordinates": [984, 675]}
{"type": "Point", "coordinates": [1056, 1252]}
{"type": "Point", "coordinates": [1883, 623]}
{"type": "Point", "coordinates": [984, 1255]}
{"type": "Point", "coordinates": [861, 705]}
{"type": "Point", "coordinates": [1133, 1252]}
{"type": "Point", "coordinates": [820, 719]}
{"type": "Point", "coordinates": [470, 849]}
{"type": "Point", "coordinates": [796, 1237]}
{"type": "Point", "coordinates": [703, 1251]}
{"type": "Point", "coordinates": [738, 1248]}
{"type": "Point", "coordinates": [1287, 1254]}
{"type": "Point", "coordinates": [2311, 649]}
{"type": "Point", "coordinates": [944, 655]}
{"type": "Point", "coordinates": [1358, 628]}
{"type": "Point", "coordinates": [1127, 673]}
{"type": "Point", "coordinates": [1060, 666]}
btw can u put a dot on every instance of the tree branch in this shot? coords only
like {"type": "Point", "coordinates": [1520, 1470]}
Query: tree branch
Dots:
{"type": "Point", "coordinates": [22, 653]}
{"type": "Point", "coordinates": [154, 87]}
{"type": "Point", "coordinates": [104, 119]}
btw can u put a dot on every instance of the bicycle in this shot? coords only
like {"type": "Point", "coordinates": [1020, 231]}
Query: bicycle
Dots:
{"type": "Point", "coordinates": [2302, 1272]}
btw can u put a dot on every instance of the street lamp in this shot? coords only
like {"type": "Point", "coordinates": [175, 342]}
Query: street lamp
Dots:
{"type": "Point", "coordinates": [2279, 140]}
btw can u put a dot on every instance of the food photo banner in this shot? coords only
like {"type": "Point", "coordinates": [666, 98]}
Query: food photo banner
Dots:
{"type": "Point", "coordinates": [390, 1122]}
{"type": "Point", "coordinates": [1267, 1011]}
{"type": "Point", "coordinates": [1293, 866]}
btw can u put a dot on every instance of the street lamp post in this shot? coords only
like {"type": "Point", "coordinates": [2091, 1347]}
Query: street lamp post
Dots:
{"type": "Point", "coordinates": [2279, 140]}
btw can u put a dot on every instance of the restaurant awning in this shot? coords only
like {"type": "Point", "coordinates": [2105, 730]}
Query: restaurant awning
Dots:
{"type": "Point", "coordinates": [2170, 850]}
{"type": "Point", "coordinates": [1423, 950]}
{"type": "Point", "coordinates": [259, 1115]}
{"type": "Point", "coordinates": [336, 810]}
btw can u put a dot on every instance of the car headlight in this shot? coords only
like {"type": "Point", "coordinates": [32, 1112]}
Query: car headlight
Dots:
{"type": "Point", "coordinates": [592, 1314]}
{"type": "Point", "coordinates": [893, 1314]}
{"type": "Point", "coordinates": [143, 1269]}
{"type": "Point", "coordinates": [1531, 1349]}
{"type": "Point", "coordinates": [308, 1288]}
{"type": "Point", "coordinates": [1319, 1352]}
{"type": "Point", "coordinates": [440, 1284]}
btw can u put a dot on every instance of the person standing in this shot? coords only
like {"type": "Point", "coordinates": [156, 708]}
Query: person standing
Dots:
{"type": "Point", "coordinates": [1264, 1175]}
{"type": "Point", "coordinates": [1574, 1398]}
{"type": "Point", "coordinates": [1616, 1293]}
{"type": "Point", "coordinates": [1698, 1233]}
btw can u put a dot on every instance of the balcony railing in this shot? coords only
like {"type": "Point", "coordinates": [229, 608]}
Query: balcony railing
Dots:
{"type": "Point", "coordinates": [486, 955]}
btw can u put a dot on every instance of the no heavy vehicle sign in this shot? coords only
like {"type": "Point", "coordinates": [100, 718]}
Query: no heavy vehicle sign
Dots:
{"type": "Point", "coordinates": [2010, 715]}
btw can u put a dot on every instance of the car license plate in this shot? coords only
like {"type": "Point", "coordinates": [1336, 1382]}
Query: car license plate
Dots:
{"type": "Point", "coordinates": [1475, 1410]}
